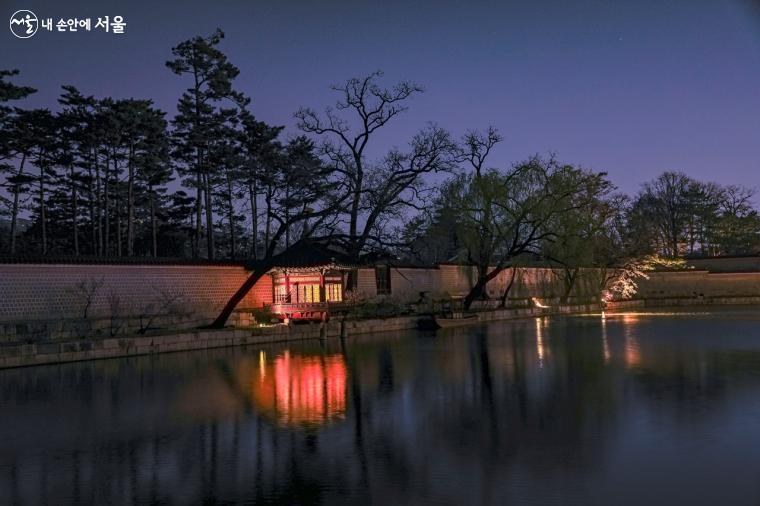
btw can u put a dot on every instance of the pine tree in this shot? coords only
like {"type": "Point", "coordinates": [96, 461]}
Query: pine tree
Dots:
{"type": "Point", "coordinates": [15, 148]}
{"type": "Point", "coordinates": [212, 75]}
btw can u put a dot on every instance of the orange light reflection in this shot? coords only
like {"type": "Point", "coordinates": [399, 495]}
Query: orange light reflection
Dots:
{"type": "Point", "coordinates": [540, 342]}
{"type": "Point", "coordinates": [302, 390]}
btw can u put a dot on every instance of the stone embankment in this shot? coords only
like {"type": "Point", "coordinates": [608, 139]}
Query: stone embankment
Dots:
{"type": "Point", "coordinates": [20, 354]}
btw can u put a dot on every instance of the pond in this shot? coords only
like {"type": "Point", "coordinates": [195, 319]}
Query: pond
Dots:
{"type": "Point", "coordinates": [633, 408]}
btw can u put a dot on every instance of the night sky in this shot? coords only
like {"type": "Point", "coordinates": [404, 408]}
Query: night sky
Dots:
{"type": "Point", "coordinates": [629, 87]}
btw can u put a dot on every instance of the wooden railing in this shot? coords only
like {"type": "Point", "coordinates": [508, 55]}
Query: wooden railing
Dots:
{"type": "Point", "coordinates": [307, 307]}
{"type": "Point", "coordinates": [299, 307]}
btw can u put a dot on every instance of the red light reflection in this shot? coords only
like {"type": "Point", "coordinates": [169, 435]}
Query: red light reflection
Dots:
{"type": "Point", "coordinates": [301, 390]}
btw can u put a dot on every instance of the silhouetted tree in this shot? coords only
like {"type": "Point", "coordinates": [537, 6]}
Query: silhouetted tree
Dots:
{"type": "Point", "coordinates": [211, 76]}
{"type": "Point", "coordinates": [378, 191]}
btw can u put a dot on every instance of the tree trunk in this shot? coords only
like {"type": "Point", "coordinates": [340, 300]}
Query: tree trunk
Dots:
{"type": "Point", "coordinates": [15, 208]}
{"type": "Point", "coordinates": [476, 292]}
{"type": "Point", "coordinates": [91, 196]}
{"type": "Point", "coordinates": [508, 287]}
{"type": "Point", "coordinates": [268, 226]}
{"type": "Point", "coordinates": [74, 209]}
{"type": "Point", "coordinates": [106, 210]}
{"type": "Point", "coordinates": [198, 211]}
{"type": "Point", "coordinates": [254, 217]}
{"type": "Point", "coordinates": [256, 275]}
{"type": "Point", "coordinates": [198, 158]}
{"type": "Point", "coordinates": [153, 225]}
{"type": "Point", "coordinates": [98, 207]}
{"type": "Point", "coordinates": [118, 206]}
{"type": "Point", "coordinates": [287, 216]}
{"type": "Point", "coordinates": [356, 200]}
{"type": "Point", "coordinates": [209, 220]}
{"type": "Point", "coordinates": [479, 289]}
{"type": "Point", "coordinates": [230, 205]}
{"type": "Point", "coordinates": [43, 218]}
{"type": "Point", "coordinates": [571, 276]}
{"type": "Point", "coordinates": [131, 205]}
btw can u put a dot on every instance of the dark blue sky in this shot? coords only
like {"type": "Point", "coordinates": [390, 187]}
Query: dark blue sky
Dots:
{"type": "Point", "coordinates": [630, 87]}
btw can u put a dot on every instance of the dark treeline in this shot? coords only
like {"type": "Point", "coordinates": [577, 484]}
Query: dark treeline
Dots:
{"type": "Point", "coordinates": [101, 176]}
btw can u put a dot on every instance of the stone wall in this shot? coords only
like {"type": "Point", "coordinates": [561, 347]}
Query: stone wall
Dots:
{"type": "Point", "coordinates": [188, 295]}
{"type": "Point", "coordinates": [408, 283]}
{"type": "Point", "coordinates": [180, 295]}
{"type": "Point", "coordinates": [726, 264]}
{"type": "Point", "coordinates": [365, 284]}
{"type": "Point", "coordinates": [50, 299]}
{"type": "Point", "coordinates": [699, 284]}
{"type": "Point", "coordinates": [456, 280]}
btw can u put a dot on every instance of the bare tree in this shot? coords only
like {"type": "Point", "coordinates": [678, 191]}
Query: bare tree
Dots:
{"type": "Point", "coordinates": [164, 305]}
{"type": "Point", "coordinates": [85, 292]}
{"type": "Point", "coordinates": [378, 191]}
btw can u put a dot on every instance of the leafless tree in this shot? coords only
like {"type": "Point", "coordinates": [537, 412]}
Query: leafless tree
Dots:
{"type": "Point", "coordinates": [378, 192]}
{"type": "Point", "coordinates": [164, 305]}
{"type": "Point", "coordinates": [85, 292]}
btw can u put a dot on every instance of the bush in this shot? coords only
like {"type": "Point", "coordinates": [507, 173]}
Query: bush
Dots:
{"type": "Point", "coordinates": [386, 308]}
{"type": "Point", "coordinates": [263, 315]}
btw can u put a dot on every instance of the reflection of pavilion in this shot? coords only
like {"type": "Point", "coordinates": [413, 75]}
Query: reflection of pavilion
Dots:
{"type": "Point", "coordinates": [301, 390]}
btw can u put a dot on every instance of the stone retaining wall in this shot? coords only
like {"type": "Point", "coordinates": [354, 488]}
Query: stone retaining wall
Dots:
{"type": "Point", "coordinates": [20, 355]}
{"type": "Point", "coordinates": [91, 349]}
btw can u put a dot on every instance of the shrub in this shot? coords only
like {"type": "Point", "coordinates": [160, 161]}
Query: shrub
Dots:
{"type": "Point", "coordinates": [386, 308]}
{"type": "Point", "coordinates": [263, 314]}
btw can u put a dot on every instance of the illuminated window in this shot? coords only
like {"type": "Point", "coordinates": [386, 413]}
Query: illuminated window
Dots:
{"type": "Point", "coordinates": [334, 292]}
{"type": "Point", "coordinates": [281, 294]}
{"type": "Point", "coordinates": [308, 293]}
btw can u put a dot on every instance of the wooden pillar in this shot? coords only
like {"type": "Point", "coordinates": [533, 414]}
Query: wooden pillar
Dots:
{"type": "Point", "coordinates": [322, 295]}
{"type": "Point", "coordinates": [287, 288]}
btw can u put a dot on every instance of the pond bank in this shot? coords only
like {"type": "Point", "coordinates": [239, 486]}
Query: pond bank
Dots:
{"type": "Point", "coordinates": [21, 355]}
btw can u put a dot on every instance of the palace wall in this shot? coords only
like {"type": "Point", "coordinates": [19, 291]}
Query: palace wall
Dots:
{"type": "Point", "coordinates": [726, 264]}
{"type": "Point", "coordinates": [699, 285]}
{"type": "Point", "coordinates": [192, 294]}
{"type": "Point", "coordinates": [41, 297]}
{"type": "Point", "coordinates": [407, 284]}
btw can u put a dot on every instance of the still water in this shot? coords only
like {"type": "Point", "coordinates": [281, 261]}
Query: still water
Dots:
{"type": "Point", "coordinates": [648, 408]}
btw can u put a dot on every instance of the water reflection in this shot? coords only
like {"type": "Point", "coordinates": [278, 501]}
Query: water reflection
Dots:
{"type": "Point", "coordinates": [665, 411]}
{"type": "Point", "coordinates": [605, 341]}
{"type": "Point", "coordinates": [301, 390]}
{"type": "Point", "coordinates": [632, 348]}
{"type": "Point", "coordinates": [540, 342]}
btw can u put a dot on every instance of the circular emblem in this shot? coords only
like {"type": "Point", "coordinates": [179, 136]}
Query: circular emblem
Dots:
{"type": "Point", "coordinates": [24, 24]}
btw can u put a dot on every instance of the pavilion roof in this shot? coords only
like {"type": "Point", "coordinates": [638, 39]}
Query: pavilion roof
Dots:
{"type": "Point", "coordinates": [311, 256]}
